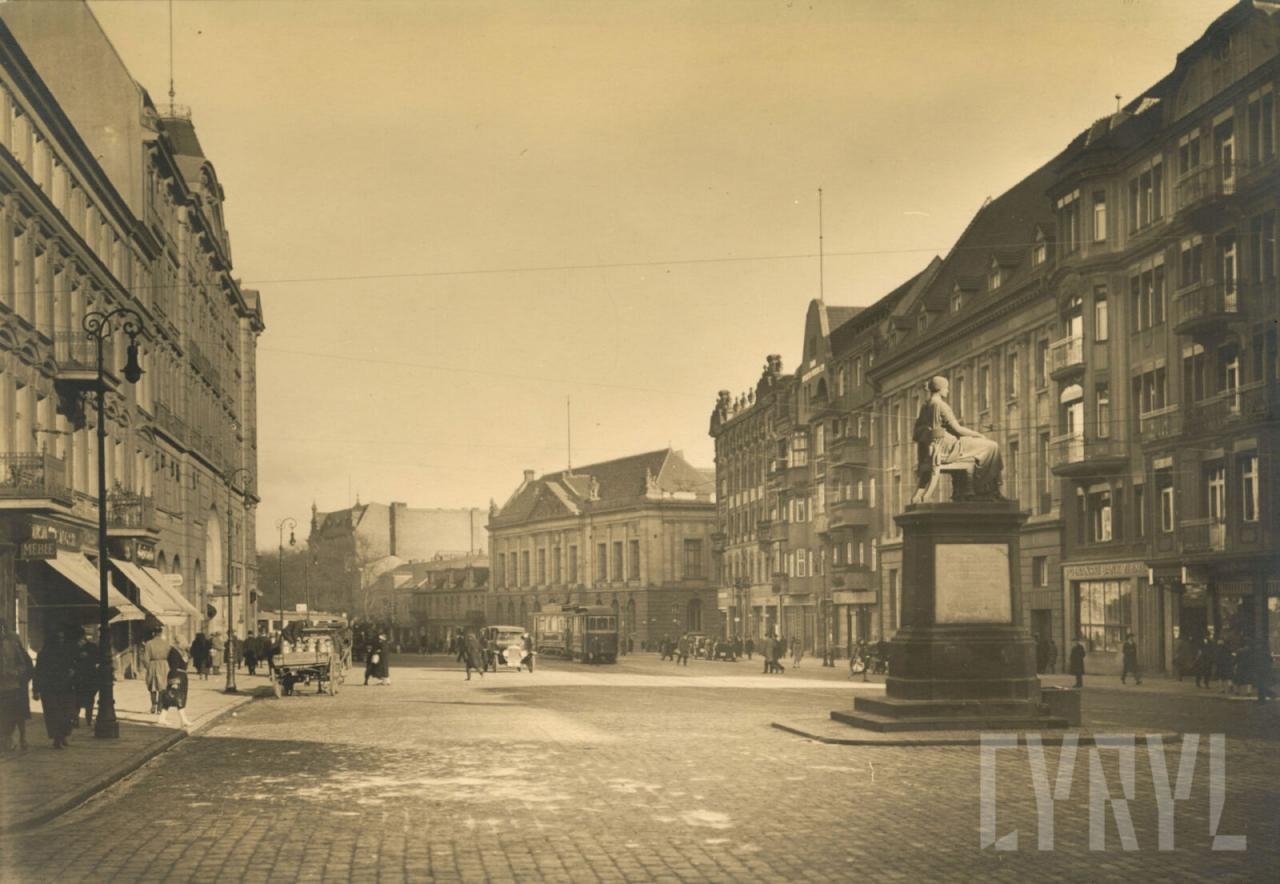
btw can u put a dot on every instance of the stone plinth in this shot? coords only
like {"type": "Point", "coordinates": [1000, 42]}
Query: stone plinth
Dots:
{"type": "Point", "coordinates": [959, 659]}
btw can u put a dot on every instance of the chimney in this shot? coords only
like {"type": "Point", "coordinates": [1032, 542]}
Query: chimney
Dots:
{"type": "Point", "coordinates": [528, 475]}
{"type": "Point", "coordinates": [396, 509]}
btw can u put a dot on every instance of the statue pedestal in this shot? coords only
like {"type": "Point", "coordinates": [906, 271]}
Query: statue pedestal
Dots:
{"type": "Point", "coordinates": [959, 660]}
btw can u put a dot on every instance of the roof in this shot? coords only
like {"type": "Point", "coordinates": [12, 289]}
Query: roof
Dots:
{"type": "Point", "coordinates": [654, 474]}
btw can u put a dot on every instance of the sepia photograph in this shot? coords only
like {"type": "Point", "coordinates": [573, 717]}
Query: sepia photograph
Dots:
{"type": "Point", "coordinates": [639, 441]}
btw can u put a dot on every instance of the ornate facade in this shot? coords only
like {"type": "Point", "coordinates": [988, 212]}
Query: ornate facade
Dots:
{"type": "Point", "coordinates": [108, 202]}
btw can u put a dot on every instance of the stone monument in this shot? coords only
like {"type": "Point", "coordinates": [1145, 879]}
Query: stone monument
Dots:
{"type": "Point", "coordinates": [959, 660]}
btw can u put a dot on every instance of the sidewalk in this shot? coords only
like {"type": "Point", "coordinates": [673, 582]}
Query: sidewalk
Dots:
{"type": "Point", "coordinates": [39, 784]}
{"type": "Point", "coordinates": [1155, 684]}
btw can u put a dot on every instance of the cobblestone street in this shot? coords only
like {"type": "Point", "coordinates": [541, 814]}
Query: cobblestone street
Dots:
{"type": "Point", "coordinates": [637, 772]}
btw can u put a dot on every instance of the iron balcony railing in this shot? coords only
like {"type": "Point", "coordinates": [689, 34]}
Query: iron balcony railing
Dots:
{"type": "Point", "coordinates": [1202, 535]}
{"type": "Point", "coordinates": [1206, 301]}
{"type": "Point", "coordinates": [126, 509]}
{"type": "Point", "coordinates": [34, 475]}
{"type": "Point", "coordinates": [1163, 423]}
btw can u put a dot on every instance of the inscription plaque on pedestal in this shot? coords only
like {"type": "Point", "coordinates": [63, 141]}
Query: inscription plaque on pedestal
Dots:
{"type": "Point", "coordinates": [972, 583]}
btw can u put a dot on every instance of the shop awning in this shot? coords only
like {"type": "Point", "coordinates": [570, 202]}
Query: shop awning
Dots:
{"type": "Point", "coordinates": [179, 600]}
{"type": "Point", "coordinates": [150, 595]}
{"type": "Point", "coordinates": [82, 573]}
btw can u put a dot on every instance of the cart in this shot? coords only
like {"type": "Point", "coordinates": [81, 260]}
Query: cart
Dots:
{"type": "Point", "coordinates": [312, 654]}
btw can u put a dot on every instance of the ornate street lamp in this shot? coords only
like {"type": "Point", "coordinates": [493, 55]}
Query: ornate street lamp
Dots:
{"type": "Point", "coordinates": [231, 621]}
{"type": "Point", "coordinates": [292, 523]}
{"type": "Point", "coordinates": [99, 325]}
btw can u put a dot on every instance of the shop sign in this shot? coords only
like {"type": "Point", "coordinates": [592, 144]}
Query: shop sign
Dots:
{"type": "Point", "coordinates": [144, 554]}
{"type": "Point", "coordinates": [63, 536]}
{"type": "Point", "coordinates": [1096, 570]}
{"type": "Point", "coordinates": [853, 598]}
{"type": "Point", "coordinates": [30, 550]}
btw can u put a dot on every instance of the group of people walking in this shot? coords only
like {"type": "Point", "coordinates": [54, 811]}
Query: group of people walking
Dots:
{"type": "Point", "coordinates": [1231, 665]}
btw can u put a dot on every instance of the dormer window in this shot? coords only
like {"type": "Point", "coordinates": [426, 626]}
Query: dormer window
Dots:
{"type": "Point", "coordinates": [922, 321]}
{"type": "Point", "coordinates": [993, 275]}
{"type": "Point", "coordinates": [1039, 251]}
{"type": "Point", "coordinates": [957, 300]}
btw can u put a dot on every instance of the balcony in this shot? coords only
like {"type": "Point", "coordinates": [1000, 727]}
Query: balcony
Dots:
{"type": "Point", "coordinates": [770, 531]}
{"type": "Point", "coordinates": [1241, 405]}
{"type": "Point", "coordinates": [850, 451]}
{"type": "Point", "coordinates": [1066, 357]}
{"type": "Point", "coordinates": [1206, 309]}
{"type": "Point", "coordinates": [848, 514]}
{"type": "Point", "coordinates": [1202, 535]}
{"type": "Point", "coordinates": [1156, 426]}
{"type": "Point", "coordinates": [854, 578]}
{"type": "Point", "coordinates": [130, 514]}
{"type": "Point", "coordinates": [34, 476]}
{"type": "Point", "coordinates": [1205, 188]}
{"type": "Point", "coordinates": [170, 424]}
{"type": "Point", "coordinates": [1076, 455]}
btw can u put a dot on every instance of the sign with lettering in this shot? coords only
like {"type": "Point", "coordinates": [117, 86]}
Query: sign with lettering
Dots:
{"type": "Point", "coordinates": [29, 550]}
{"type": "Point", "coordinates": [1094, 570]}
{"type": "Point", "coordinates": [65, 537]}
{"type": "Point", "coordinates": [971, 583]}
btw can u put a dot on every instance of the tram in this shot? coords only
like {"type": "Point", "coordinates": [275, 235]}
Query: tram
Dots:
{"type": "Point", "coordinates": [588, 633]}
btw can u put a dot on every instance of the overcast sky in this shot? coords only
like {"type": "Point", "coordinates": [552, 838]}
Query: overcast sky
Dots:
{"type": "Point", "coordinates": [460, 215]}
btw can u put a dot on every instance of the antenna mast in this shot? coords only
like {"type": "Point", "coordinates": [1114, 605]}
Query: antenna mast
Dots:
{"type": "Point", "coordinates": [172, 94]}
{"type": "Point", "coordinates": [820, 250]}
{"type": "Point", "coordinates": [568, 433]}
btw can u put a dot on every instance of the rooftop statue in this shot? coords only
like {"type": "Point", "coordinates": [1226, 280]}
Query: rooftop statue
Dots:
{"type": "Point", "coordinates": [943, 444]}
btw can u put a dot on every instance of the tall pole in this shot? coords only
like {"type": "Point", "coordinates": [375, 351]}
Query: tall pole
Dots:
{"type": "Point", "coordinates": [98, 325]}
{"type": "Point", "coordinates": [231, 620]}
{"type": "Point", "coordinates": [280, 526]}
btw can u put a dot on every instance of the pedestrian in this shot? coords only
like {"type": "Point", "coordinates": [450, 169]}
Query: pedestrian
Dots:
{"type": "Point", "coordinates": [200, 654]}
{"type": "Point", "coordinates": [217, 650]}
{"type": "Point", "coordinates": [1242, 669]}
{"type": "Point", "coordinates": [1223, 664]}
{"type": "Point", "coordinates": [88, 678]}
{"type": "Point", "coordinates": [155, 664]}
{"type": "Point", "coordinates": [251, 654]}
{"type": "Point", "coordinates": [1262, 670]}
{"type": "Point", "coordinates": [55, 686]}
{"type": "Point", "coordinates": [1129, 653]}
{"type": "Point", "coordinates": [1075, 666]}
{"type": "Point", "coordinates": [15, 677]}
{"type": "Point", "coordinates": [377, 665]}
{"type": "Point", "coordinates": [174, 695]}
{"type": "Point", "coordinates": [472, 654]}
{"type": "Point", "coordinates": [751, 647]}
{"type": "Point", "coordinates": [1053, 657]}
{"type": "Point", "coordinates": [527, 641]}
{"type": "Point", "coordinates": [682, 651]}
{"type": "Point", "coordinates": [1042, 652]}
{"type": "Point", "coordinates": [1203, 665]}
{"type": "Point", "coordinates": [797, 651]}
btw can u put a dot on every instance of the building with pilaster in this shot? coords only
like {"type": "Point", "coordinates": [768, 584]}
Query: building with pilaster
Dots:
{"type": "Point", "coordinates": [109, 202]}
{"type": "Point", "coordinates": [633, 533]}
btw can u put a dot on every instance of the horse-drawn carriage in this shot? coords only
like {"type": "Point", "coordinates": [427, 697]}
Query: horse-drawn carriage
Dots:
{"type": "Point", "coordinates": [319, 654]}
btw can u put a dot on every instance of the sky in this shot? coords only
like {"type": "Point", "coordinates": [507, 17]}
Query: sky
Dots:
{"type": "Point", "coordinates": [498, 236]}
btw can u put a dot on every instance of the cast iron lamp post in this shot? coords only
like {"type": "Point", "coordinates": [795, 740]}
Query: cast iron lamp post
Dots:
{"type": "Point", "coordinates": [231, 620]}
{"type": "Point", "coordinates": [99, 325]}
{"type": "Point", "coordinates": [292, 523]}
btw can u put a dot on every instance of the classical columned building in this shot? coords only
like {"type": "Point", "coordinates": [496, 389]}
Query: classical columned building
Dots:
{"type": "Point", "coordinates": [109, 202]}
{"type": "Point", "coordinates": [634, 534]}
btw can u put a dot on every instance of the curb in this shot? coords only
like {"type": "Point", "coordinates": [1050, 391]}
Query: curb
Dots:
{"type": "Point", "coordinates": [112, 776]}
{"type": "Point", "coordinates": [919, 739]}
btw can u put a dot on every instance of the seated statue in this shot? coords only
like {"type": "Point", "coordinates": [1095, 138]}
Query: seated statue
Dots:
{"type": "Point", "coordinates": [941, 440]}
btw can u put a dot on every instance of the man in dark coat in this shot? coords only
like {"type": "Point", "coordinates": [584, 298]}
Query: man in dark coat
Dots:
{"type": "Point", "coordinates": [1130, 660]}
{"type": "Point", "coordinates": [88, 678]}
{"type": "Point", "coordinates": [376, 664]}
{"type": "Point", "coordinates": [55, 685]}
{"type": "Point", "coordinates": [1075, 666]}
{"type": "Point", "coordinates": [472, 654]}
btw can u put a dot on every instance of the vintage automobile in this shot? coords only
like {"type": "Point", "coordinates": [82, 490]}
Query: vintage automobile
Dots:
{"type": "Point", "coordinates": [504, 645]}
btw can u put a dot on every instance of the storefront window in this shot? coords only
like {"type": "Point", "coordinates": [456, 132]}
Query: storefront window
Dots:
{"type": "Point", "coordinates": [1102, 610]}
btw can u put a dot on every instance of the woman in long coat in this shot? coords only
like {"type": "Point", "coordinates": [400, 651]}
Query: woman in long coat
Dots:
{"type": "Point", "coordinates": [55, 686]}
{"type": "Point", "coordinates": [376, 664]}
{"type": "Point", "coordinates": [200, 654]}
{"type": "Point", "coordinates": [174, 695]}
{"type": "Point", "coordinates": [155, 663]}
{"type": "Point", "coordinates": [472, 656]}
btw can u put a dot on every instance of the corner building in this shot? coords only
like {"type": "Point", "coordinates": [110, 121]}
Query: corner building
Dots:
{"type": "Point", "coordinates": [109, 202]}
{"type": "Point", "coordinates": [633, 533]}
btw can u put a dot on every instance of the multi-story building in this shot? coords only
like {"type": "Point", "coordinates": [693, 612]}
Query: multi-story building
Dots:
{"type": "Point", "coordinates": [445, 596]}
{"type": "Point", "coordinates": [633, 533]}
{"type": "Point", "coordinates": [1111, 320]}
{"type": "Point", "coordinates": [355, 552]}
{"type": "Point", "coordinates": [110, 202]}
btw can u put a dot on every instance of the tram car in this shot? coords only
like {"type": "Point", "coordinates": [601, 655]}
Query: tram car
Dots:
{"type": "Point", "coordinates": [588, 633]}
